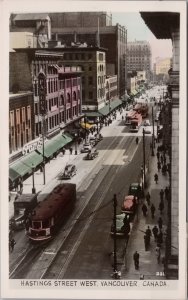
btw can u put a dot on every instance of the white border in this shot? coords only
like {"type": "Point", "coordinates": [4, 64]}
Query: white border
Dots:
{"type": "Point", "coordinates": [177, 289]}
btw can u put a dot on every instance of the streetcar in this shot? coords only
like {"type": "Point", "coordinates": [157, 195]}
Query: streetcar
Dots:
{"type": "Point", "coordinates": [49, 214]}
{"type": "Point", "coordinates": [142, 108]}
{"type": "Point", "coordinates": [136, 123]}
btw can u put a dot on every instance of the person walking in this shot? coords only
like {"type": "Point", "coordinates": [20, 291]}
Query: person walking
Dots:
{"type": "Point", "coordinates": [158, 253]}
{"type": "Point", "coordinates": [156, 178]}
{"type": "Point", "coordinates": [152, 211]}
{"type": "Point", "coordinates": [136, 257]}
{"type": "Point", "coordinates": [155, 232]}
{"type": "Point", "coordinates": [144, 210]}
{"type": "Point", "coordinates": [148, 198]}
{"type": "Point", "coordinates": [160, 237]}
{"type": "Point", "coordinates": [158, 166]}
{"type": "Point", "coordinates": [161, 194]}
{"type": "Point", "coordinates": [158, 155]}
{"type": "Point", "coordinates": [148, 233]}
{"type": "Point", "coordinates": [137, 140]}
{"type": "Point", "coordinates": [161, 206]}
{"type": "Point", "coordinates": [162, 159]}
{"type": "Point", "coordinates": [12, 244]}
{"type": "Point", "coordinates": [160, 223]}
{"type": "Point", "coordinates": [166, 191]}
{"type": "Point", "coordinates": [146, 242]}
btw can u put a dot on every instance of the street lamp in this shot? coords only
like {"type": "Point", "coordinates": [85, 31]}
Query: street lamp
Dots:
{"type": "Point", "coordinates": [153, 145]}
{"type": "Point", "coordinates": [144, 162]}
{"type": "Point", "coordinates": [33, 172]}
{"type": "Point", "coordinates": [85, 128]}
{"type": "Point", "coordinates": [76, 152]}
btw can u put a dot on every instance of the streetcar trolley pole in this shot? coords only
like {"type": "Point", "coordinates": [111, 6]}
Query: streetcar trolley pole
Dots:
{"type": "Point", "coordinates": [152, 153]}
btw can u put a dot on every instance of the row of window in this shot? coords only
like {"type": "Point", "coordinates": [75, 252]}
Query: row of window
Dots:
{"type": "Point", "coordinates": [21, 115]}
{"type": "Point", "coordinates": [78, 56]}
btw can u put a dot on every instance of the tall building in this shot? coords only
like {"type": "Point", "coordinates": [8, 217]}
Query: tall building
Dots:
{"type": "Point", "coordinates": [139, 57]}
{"type": "Point", "coordinates": [95, 28]}
{"type": "Point", "coordinates": [170, 30]}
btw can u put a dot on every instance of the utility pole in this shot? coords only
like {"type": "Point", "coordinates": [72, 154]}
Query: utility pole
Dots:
{"type": "Point", "coordinates": [144, 159]}
{"type": "Point", "coordinates": [115, 247]}
{"type": "Point", "coordinates": [85, 129]}
{"type": "Point", "coordinates": [153, 134]}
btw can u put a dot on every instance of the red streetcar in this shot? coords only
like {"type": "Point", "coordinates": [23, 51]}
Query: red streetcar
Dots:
{"type": "Point", "coordinates": [50, 213]}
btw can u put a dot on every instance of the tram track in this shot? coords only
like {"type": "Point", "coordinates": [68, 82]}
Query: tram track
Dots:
{"type": "Point", "coordinates": [39, 256]}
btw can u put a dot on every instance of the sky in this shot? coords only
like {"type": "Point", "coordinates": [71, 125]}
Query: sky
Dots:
{"type": "Point", "coordinates": [137, 29]}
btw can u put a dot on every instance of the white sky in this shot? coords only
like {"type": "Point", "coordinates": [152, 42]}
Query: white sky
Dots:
{"type": "Point", "coordinates": [137, 29]}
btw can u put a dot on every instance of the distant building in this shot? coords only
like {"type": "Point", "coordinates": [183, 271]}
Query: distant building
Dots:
{"type": "Point", "coordinates": [111, 87]}
{"type": "Point", "coordinates": [161, 68]}
{"type": "Point", "coordinates": [139, 57]}
{"type": "Point", "coordinates": [95, 28]}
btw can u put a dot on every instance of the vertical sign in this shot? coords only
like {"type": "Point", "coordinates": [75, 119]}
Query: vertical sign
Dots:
{"type": "Point", "coordinates": [42, 93]}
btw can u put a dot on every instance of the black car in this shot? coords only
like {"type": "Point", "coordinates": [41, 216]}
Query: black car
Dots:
{"type": "Point", "coordinates": [91, 154]}
{"type": "Point", "coordinates": [69, 171]}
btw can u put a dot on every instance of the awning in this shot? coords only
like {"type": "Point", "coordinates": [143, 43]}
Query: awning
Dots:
{"type": "Point", "coordinates": [109, 107]}
{"type": "Point", "coordinates": [133, 93]}
{"type": "Point", "coordinates": [86, 125]}
{"type": "Point", "coordinates": [24, 166]}
{"type": "Point", "coordinates": [93, 114]}
{"type": "Point", "coordinates": [52, 146]}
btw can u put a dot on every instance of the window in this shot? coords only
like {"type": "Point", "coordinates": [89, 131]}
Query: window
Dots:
{"type": "Point", "coordinates": [90, 68]}
{"type": "Point", "coordinates": [90, 56]}
{"type": "Point", "coordinates": [90, 80]}
{"type": "Point", "coordinates": [90, 95]}
{"type": "Point", "coordinates": [68, 98]}
{"type": "Point", "coordinates": [83, 56]}
{"type": "Point", "coordinates": [74, 96]}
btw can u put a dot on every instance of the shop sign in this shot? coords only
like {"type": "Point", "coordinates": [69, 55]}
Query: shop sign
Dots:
{"type": "Point", "coordinates": [33, 145]}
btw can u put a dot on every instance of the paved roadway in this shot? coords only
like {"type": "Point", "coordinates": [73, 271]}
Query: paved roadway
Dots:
{"type": "Point", "coordinates": [87, 242]}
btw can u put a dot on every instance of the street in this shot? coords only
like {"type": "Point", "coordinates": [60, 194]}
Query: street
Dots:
{"type": "Point", "coordinates": [83, 246]}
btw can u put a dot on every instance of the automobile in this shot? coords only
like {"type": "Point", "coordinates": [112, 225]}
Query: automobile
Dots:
{"type": "Point", "coordinates": [122, 225]}
{"type": "Point", "coordinates": [69, 171]}
{"type": "Point", "coordinates": [148, 130]}
{"type": "Point", "coordinates": [135, 189]}
{"type": "Point", "coordinates": [157, 116]}
{"type": "Point", "coordinates": [86, 148]}
{"type": "Point", "coordinates": [91, 154]}
{"type": "Point", "coordinates": [147, 123]}
{"type": "Point", "coordinates": [129, 204]}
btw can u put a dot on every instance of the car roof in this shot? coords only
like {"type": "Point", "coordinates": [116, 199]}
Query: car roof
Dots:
{"type": "Point", "coordinates": [129, 197]}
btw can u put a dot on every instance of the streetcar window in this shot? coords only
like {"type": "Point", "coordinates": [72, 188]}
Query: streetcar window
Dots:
{"type": "Point", "coordinates": [37, 224]}
{"type": "Point", "coordinates": [45, 223]}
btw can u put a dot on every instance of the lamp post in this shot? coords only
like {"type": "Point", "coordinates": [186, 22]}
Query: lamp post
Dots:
{"type": "Point", "coordinates": [85, 128]}
{"type": "Point", "coordinates": [76, 152]}
{"type": "Point", "coordinates": [33, 177]}
{"type": "Point", "coordinates": [42, 110]}
{"type": "Point", "coordinates": [115, 246]}
{"type": "Point", "coordinates": [153, 134]}
{"type": "Point", "coordinates": [144, 160]}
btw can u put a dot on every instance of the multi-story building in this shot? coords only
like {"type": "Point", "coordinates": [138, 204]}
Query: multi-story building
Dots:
{"type": "Point", "coordinates": [21, 120]}
{"type": "Point", "coordinates": [94, 28]}
{"type": "Point", "coordinates": [139, 57]}
{"type": "Point", "coordinates": [170, 30]}
{"type": "Point", "coordinates": [111, 87]}
{"type": "Point", "coordinates": [63, 87]}
{"type": "Point", "coordinates": [33, 29]}
{"type": "Point", "coordinates": [92, 62]}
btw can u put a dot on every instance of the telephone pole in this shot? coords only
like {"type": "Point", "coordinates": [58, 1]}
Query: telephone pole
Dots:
{"type": "Point", "coordinates": [144, 160]}
{"type": "Point", "coordinates": [115, 246]}
{"type": "Point", "coordinates": [153, 154]}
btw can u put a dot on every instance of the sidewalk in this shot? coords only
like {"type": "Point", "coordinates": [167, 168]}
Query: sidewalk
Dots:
{"type": "Point", "coordinates": [148, 265]}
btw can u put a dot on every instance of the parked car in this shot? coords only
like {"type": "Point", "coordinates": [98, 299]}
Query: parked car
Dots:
{"type": "Point", "coordinates": [135, 189]}
{"type": "Point", "coordinates": [86, 148]}
{"type": "Point", "coordinates": [91, 154]}
{"type": "Point", "coordinates": [122, 225]}
{"type": "Point", "coordinates": [148, 130]}
{"type": "Point", "coordinates": [69, 171]}
{"type": "Point", "coordinates": [129, 204]}
{"type": "Point", "coordinates": [157, 116]}
{"type": "Point", "coordinates": [147, 123]}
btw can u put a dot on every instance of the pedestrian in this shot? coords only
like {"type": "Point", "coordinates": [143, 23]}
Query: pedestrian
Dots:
{"type": "Point", "coordinates": [12, 244]}
{"type": "Point", "coordinates": [161, 194]}
{"type": "Point", "coordinates": [160, 237]}
{"type": "Point", "coordinates": [156, 178]}
{"type": "Point", "coordinates": [144, 210]}
{"type": "Point", "coordinates": [161, 159]}
{"type": "Point", "coordinates": [136, 260]}
{"type": "Point", "coordinates": [137, 140]}
{"type": "Point", "coordinates": [160, 223]}
{"type": "Point", "coordinates": [158, 155]}
{"type": "Point", "coordinates": [148, 233]}
{"type": "Point", "coordinates": [155, 232]}
{"type": "Point", "coordinates": [63, 150]}
{"type": "Point", "coordinates": [146, 242]}
{"type": "Point", "coordinates": [158, 166]}
{"type": "Point", "coordinates": [166, 191]}
{"type": "Point", "coordinates": [148, 198]}
{"type": "Point", "coordinates": [70, 150]}
{"type": "Point", "coordinates": [122, 118]}
{"type": "Point", "coordinates": [158, 253]}
{"type": "Point", "coordinates": [164, 169]}
{"type": "Point", "coordinates": [152, 211]}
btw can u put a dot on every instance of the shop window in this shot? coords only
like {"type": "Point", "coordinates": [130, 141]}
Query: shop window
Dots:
{"type": "Point", "coordinates": [74, 96]}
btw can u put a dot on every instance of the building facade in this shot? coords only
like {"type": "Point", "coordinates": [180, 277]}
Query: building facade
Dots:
{"type": "Point", "coordinates": [161, 68]}
{"type": "Point", "coordinates": [111, 87]}
{"type": "Point", "coordinates": [21, 120]}
{"type": "Point", "coordinates": [170, 30]}
{"type": "Point", "coordinates": [63, 87]}
{"type": "Point", "coordinates": [95, 29]}
{"type": "Point", "coordinates": [139, 57]}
